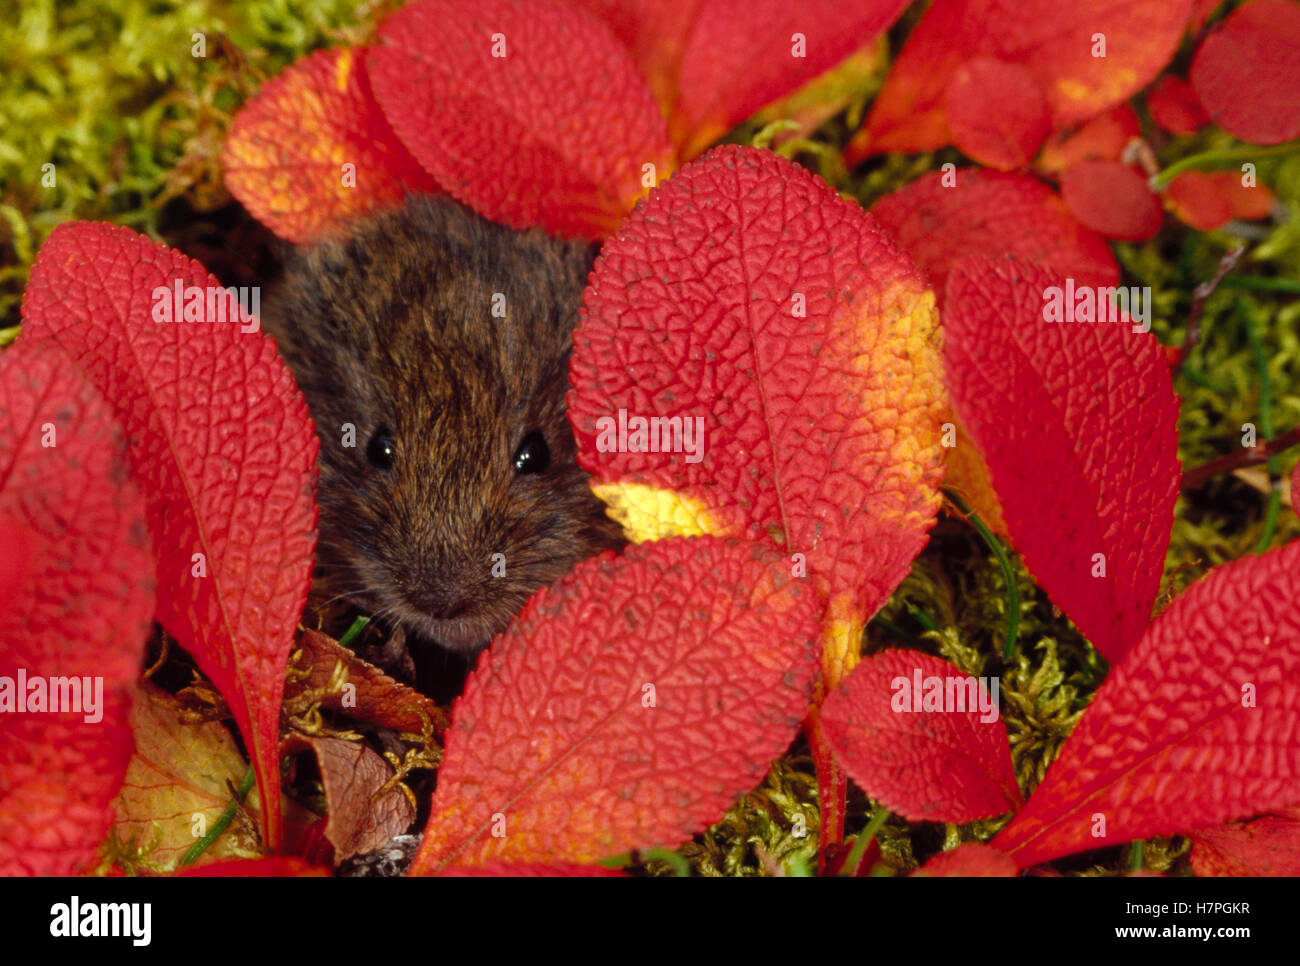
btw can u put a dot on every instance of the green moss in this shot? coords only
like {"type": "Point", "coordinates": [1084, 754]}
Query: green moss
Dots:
{"type": "Point", "coordinates": [773, 827]}
{"type": "Point", "coordinates": [110, 94]}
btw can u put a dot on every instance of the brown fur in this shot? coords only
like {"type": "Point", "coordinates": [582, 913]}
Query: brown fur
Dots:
{"type": "Point", "coordinates": [392, 326]}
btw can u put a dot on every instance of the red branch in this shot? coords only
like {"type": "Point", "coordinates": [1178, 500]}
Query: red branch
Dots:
{"type": "Point", "coordinates": [1247, 456]}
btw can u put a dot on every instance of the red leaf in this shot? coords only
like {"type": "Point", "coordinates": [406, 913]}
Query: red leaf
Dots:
{"type": "Point", "coordinates": [1003, 131]}
{"type": "Point", "coordinates": [276, 866]}
{"type": "Point", "coordinates": [1173, 105]}
{"type": "Point", "coordinates": [1202, 10]}
{"type": "Point", "coordinates": [1103, 138]}
{"type": "Point", "coordinates": [1057, 44]}
{"type": "Point", "coordinates": [1198, 199]}
{"type": "Point", "coordinates": [554, 133]}
{"type": "Point", "coordinates": [995, 214]}
{"type": "Point", "coordinates": [78, 603]}
{"type": "Point", "coordinates": [285, 157]}
{"type": "Point", "coordinates": [832, 779]}
{"type": "Point", "coordinates": [352, 776]}
{"type": "Point", "coordinates": [970, 859]}
{"type": "Point", "coordinates": [1269, 845]}
{"type": "Point", "coordinates": [838, 856]}
{"type": "Point", "coordinates": [626, 707]}
{"type": "Point", "coordinates": [1245, 72]}
{"type": "Point", "coordinates": [1207, 201]}
{"type": "Point", "coordinates": [1078, 424]}
{"type": "Point", "coordinates": [937, 765]}
{"type": "Point", "coordinates": [533, 870]}
{"type": "Point", "coordinates": [749, 299]}
{"type": "Point", "coordinates": [713, 63]}
{"type": "Point", "coordinates": [1168, 744]}
{"type": "Point", "coordinates": [1249, 202]}
{"type": "Point", "coordinates": [1113, 199]}
{"type": "Point", "coordinates": [908, 114]}
{"type": "Point", "coordinates": [373, 697]}
{"type": "Point", "coordinates": [221, 446]}
{"type": "Point", "coordinates": [656, 34]}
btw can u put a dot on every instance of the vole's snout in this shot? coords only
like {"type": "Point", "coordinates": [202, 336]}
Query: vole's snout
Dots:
{"type": "Point", "coordinates": [445, 598]}
{"type": "Point", "coordinates": [441, 600]}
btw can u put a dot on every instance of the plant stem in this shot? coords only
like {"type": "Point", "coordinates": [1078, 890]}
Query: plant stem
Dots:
{"type": "Point", "coordinates": [854, 859]}
{"type": "Point", "coordinates": [922, 618]}
{"type": "Point", "coordinates": [351, 633]}
{"type": "Point", "coordinates": [1200, 295]}
{"type": "Point", "coordinates": [1263, 284]}
{"type": "Point", "coordinates": [894, 629]}
{"type": "Point", "coordinates": [797, 868]}
{"type": "Point", "coordinates": [1008, 575]}
{"type": "Point", "coordinates": [1209, 158]}
{"type": "Point", "coordinates": [226, 817]}
{"type": "Point", "coordinates": [1271, 510]}
{"type": "Point", "coordinates": [1246, 456]}
{"type": "Point", "coordinates": [1196, 376]}
{"type": "Point", "coordinates": [1251, 322]}
{"type": "Point", "coordinates": [766, 134]}
{"type": "Point", "coordinates": [681, 868]}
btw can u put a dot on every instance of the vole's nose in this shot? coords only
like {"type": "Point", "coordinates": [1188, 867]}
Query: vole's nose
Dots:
{"type": "Point", "coordinates": [441, 601]}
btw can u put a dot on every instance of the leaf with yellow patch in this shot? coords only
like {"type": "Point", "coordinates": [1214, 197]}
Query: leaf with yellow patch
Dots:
{"type": "Point", "coordinates": [756, 359]}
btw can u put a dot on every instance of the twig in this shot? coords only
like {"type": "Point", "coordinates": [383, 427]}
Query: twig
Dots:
{"type": "Point", "coordinates": [1200, 295]}
{"type": "Point", "coordinates": [1247, 456]}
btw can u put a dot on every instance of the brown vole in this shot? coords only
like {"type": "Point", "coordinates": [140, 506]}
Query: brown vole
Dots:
{"type": "Point", "coordinates": [449, 488]}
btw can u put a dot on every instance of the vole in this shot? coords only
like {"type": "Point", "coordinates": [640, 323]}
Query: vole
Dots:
{"type": "Point", "coordinates": [432, 347]}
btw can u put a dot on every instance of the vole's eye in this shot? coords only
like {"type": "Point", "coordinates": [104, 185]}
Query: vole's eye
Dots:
{"type": "Point", "coordinates": [381, 450]}
{"type": "Point", "coordinates": [533, 455]}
